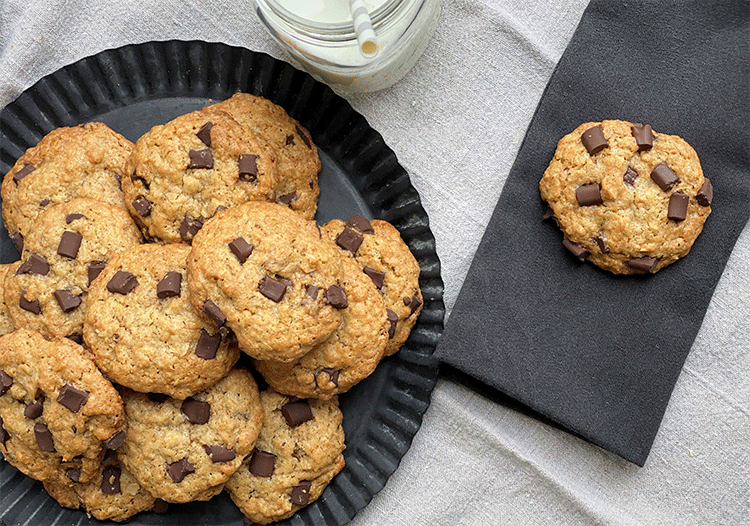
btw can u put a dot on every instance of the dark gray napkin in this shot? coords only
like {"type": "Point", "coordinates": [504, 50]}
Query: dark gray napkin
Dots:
{"type": "Point", "coordinates": [597, 353]}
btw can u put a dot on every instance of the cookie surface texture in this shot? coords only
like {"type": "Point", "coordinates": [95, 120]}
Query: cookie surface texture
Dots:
{"type": "Point", "coordinates": [348, 356]}
{"type": "Point", "coordinates": [252, 266]}
{"type": "Point", "coordinates": [299, 163]}
{"type": "Point", "coordinates": [150, 338]}
{"type": "Point", "coordinates": [297, 454]}
{"type": "Point", "coordinates": [57, 411]}
{"type": "Point", "coordinates": [70, 162]}
{"type": "Point", "coordinates": [181, 172]}
{"type": "Point", "coordinates": [183, 450]}
{"type": "Point", "coordinates": [113, 494]}
{"type": "Point", "coordinates": [48, 289]}
{"type": "Point", "coordinates": [384, 256]}
{"type": "Point", "coordinates": [6, 320]}
{"type": "Point", "coordinates": [627, 199]}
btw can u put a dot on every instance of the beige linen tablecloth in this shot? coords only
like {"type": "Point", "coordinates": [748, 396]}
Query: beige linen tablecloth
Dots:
{"type": "Point", "coordinates": [455, 122]}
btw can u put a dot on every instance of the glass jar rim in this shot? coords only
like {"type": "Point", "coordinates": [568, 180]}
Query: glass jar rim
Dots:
{"type": "Point", "coordinates": [333, 29]}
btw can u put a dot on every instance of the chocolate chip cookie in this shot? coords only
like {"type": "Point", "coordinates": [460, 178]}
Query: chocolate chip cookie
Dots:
{"type": "Point", "coordinates": [143, 330]}
{"type": "Point", "coordinates": [384, 257]}
{"type": "Point", "coordinates": [6, 320]}
{"type": "Point", "coordinates": [299, 163]}
{"type": "Point", "coordinates": [183, 171]}
{"type": "Point", "coordinates": [298, 452]}
{"type": "Point", "coordinates": [69, 245]}
{"type": "Point", "coordinates": [113, 494]}
{"type": "Point", "coordinates": [58, 413]}
{"type": "Point", "coordinates": [183, 450]}
{"type": "Point", "coordinates": [348, 356]}
{"type": "Point", "coordinates": [266, 273]}
{"type": "Point", "coordinates": [70, 162]}
{"type": "Point", "coordinates": [627, 199]}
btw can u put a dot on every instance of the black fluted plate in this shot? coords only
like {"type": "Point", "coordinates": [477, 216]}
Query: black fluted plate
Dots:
{"type": "Point", "coordinates": [135, 87]}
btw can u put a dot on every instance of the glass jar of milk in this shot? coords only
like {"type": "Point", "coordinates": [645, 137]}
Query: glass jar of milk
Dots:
{"type": "Point", "coordinates": [319, 37]}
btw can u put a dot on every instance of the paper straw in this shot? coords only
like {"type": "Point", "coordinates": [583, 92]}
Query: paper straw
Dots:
{"type": "Point", "coordinates": [368, 42]}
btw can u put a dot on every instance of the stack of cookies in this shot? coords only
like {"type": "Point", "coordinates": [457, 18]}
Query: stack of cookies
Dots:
{"type": "Point", "coordinates": [157, 282]}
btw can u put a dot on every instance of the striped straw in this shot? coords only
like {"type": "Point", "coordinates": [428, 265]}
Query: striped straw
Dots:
{"type": "Point", "coordinates": [368, 43]}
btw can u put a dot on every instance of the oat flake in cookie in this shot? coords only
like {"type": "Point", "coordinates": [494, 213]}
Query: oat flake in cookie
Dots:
{"type": "Point", "coordinates": [183, 171]}
{"type": "Point", "coordinates": [298, 452]}
{"type": "Point", "coordinates": [628, 199]}
{"type": "Point", "coordinates": [88, 160]}
{"type": "Point", "coordinates": [183, 450]}
{"type": "Point", "coordinates": [58, 413]}
{"type": "Point", "coordinates": [144, 332]}
{"type": "Point", "coordinates": [252, 268]}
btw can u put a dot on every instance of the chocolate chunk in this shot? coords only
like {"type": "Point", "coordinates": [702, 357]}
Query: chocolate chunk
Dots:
{"type": "Point", "coordinates": [74, 216]}
{"type": "Point", "coordinates": [663, 176]}
{"type": "Point", "coordinates": [287, 199]}
{"type": "Point", "coordinates": [577, 250]}
{"type": "Point", "coordinates": [630, 176]}
{"type": "Point", "coordinates": [76, 337]}
{"type": "Point", "coordinates": [189, 227]}
{"type": "Point", "coordinates": [678, 204]}
{"type": "Point", "coordinates": [336, 296]}
{"type": "Point", "coordinates": [361, 224]}
{"type": "Point", "coordinates": [705, 194]}
{"type": "Point", "coordinates": [393, 319]}
{"type": "Point", "coordinates": [45, 202]}
{"type": "Point", "coordinates": [415, 303]}
{"type": "Point", "coordinates": [303, 136]}
{"type": "Point", "coordinates": [594, 141]}
{"type": "Point", "coordinates": [204, 134]}
{"type": "Point", "coordinates": [312, 291]}
{"type": "Point", "coordinates": [290, 140]}
{"type": "Point", "coordinates": [67, 300]}
{"type": "Point", "coordinates": [32, 306]}
{"type": "Point", "coordinates": [201, 159]}
{"type": "Point", "coordinates": [214, 312]}
{"type": "Point", "coordinates": [44, 438]}
{"type": "Point", "coordinates": [645, 264]}
{"type": "Point", "coordinates": [603, 246]}
{"type": "Point", "coordinates": [301, 493]}
{"type": "Point", "coordinates": [589, 194]}
{"type": "Point", "coordinates": [72, 398]}
{"type": "Point", "coordinates": [207, 345]}
{"type": "Point", "coordinates": [219, 453]}
{"type": "Point", "coordinates": [4, 435]}
{"type": "Point", "coordinates": [197, 412]}
{"type": "Point", "coordinates": [170, 285]}
{"type": "Point", "coordinates": [241, 249]}
{"type": "Point", "coordinates": [160, 506]}
{"type": "Point", "coordinates": [118, 178]}
{"type": "Point", "coordinates": [180, 469]}
{"type": "Point", "coordinates": [74, 474]}
{"type": "Point", "coordinates": [23, 172]}
{"type": "Point", "coordinates": [33, 410]}
{"type": "Point", "coordinates": [247, 166]}
{"type": "Point", "coordinates": [95, 268]}
{"type": "Point", "coordinates": [6, 381]}
{"type": "Point", "coordinates": [157, 398]}
{"type": "Point", "coordinates": [349, 240]}
{"type": "Point", "coordinates": [17, 239]}
{"type": "Point", "coordinates": [262, 463]}
{"type": "Point", "coordinates": [111, 480]}
{"type": "Point", "coordinates": [142, 206]}
{"type": "Point", "coordinates": [137, 179]}
{"type": "Point", "coordinates": [272, 289]}
{"type": "Point", "coordinates": [296, 413]}
{"type": "Point", "coordinates": [115, 441]}
{"type": "Point", "coordinates": [70, 242]}
{"type": "Point", "coordinates": [36, 265]}
{"type": "Point", "coordinates": [548, 214]}
{"type": "Point", "coordinates": [644, 136]}
{"type": "Point", "coordinates": [376, 276]}
{"type": "Point", "coordinates": [333, 375]}
{"type": "Point", "coordinates": [122, 282]}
